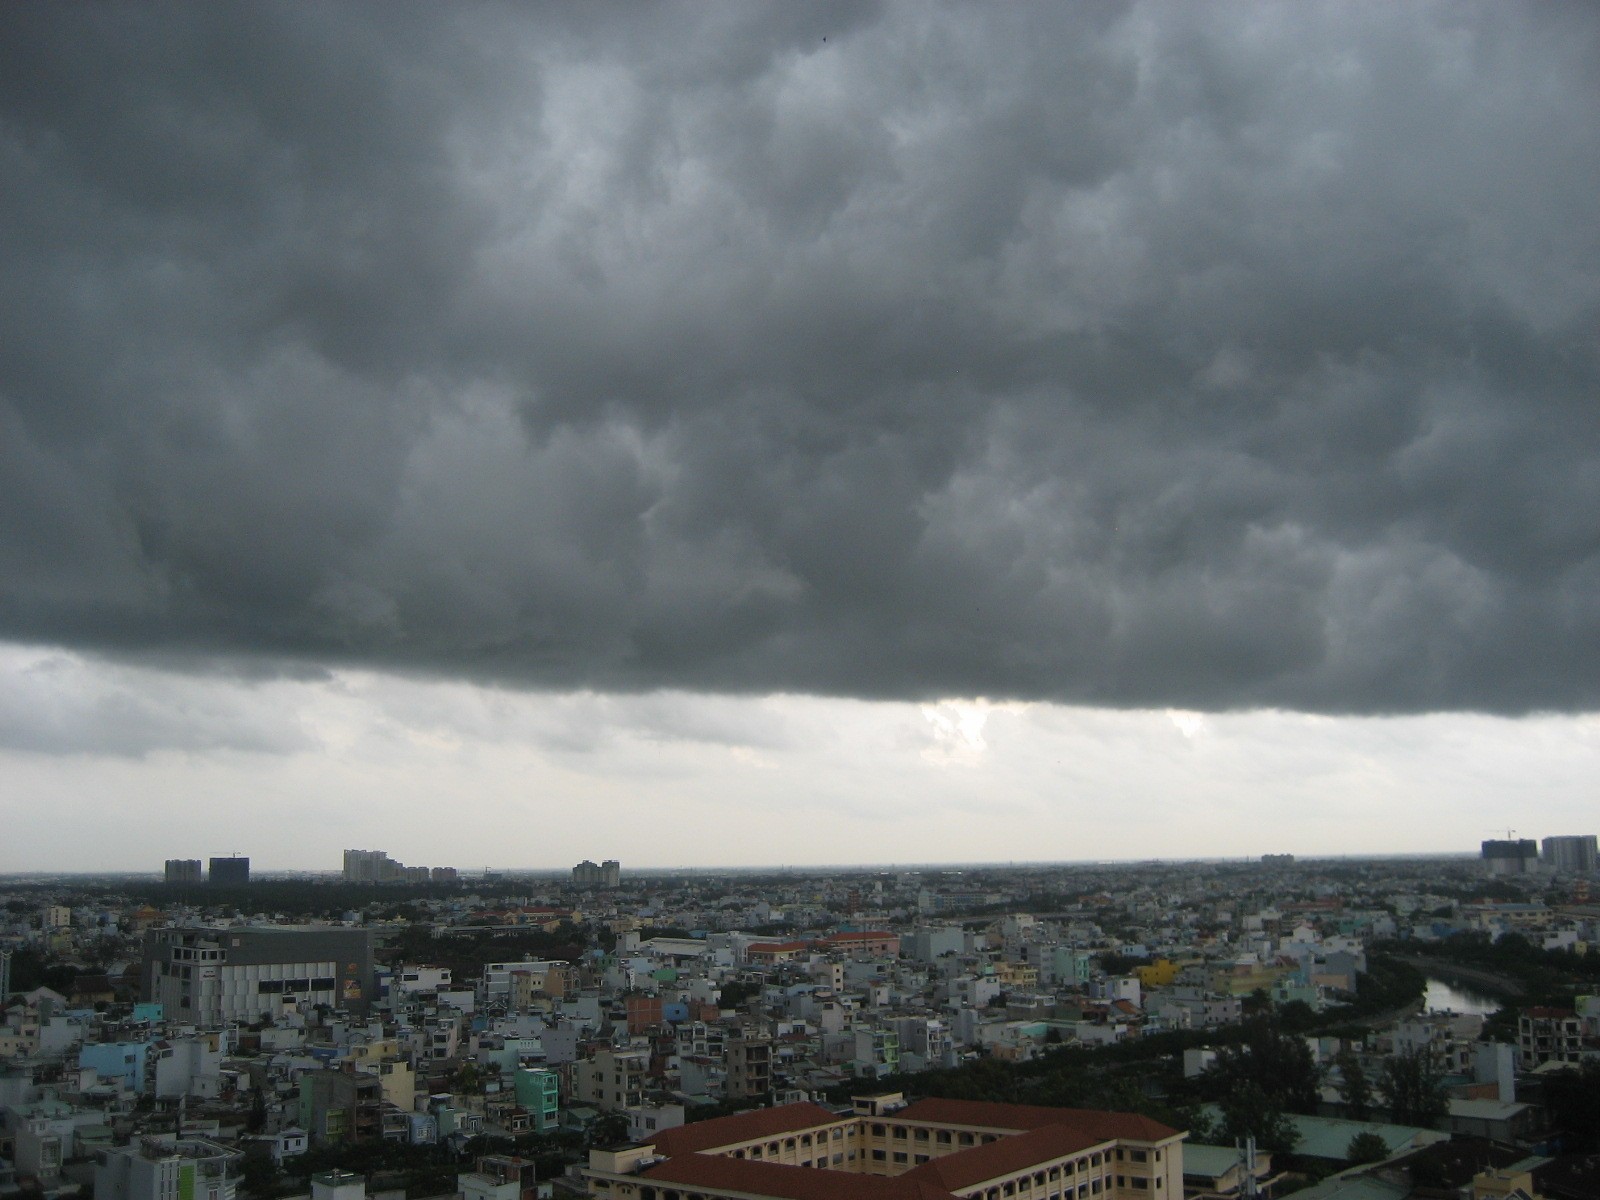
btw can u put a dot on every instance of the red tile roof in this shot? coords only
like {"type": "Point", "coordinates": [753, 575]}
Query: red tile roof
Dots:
{"type": "Point", "coordinates": [1008, 1156]}
{"type": "Point", "coordinates": [789, 1183]}
{"type": "Point", "coordinates": [743, 1127]}
{"type": "Point", "coordinates": [1018, 1117]}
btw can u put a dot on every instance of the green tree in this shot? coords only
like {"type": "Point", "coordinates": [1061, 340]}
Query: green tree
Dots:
{"type": "Point", "coordinates": [1248, 1111]}
{"type": "Point", "coordinates": [1572, 1098]}
{"type": "Point", "coordinates": [609, 1129]}
{"type": "Point", "coordinates": [1355, 1089]}
{"type": "Point", "coordinates": [468, 1079]}
{"type": "Point", "coordinates": [260, 1176]}
{"type": "Point", "coordinates": [1413, 1089]}
{"type": "Point", "coordinates": [1366, 1148]}
{"type": "Point", "coordinates": [257, 1120]}
{"type": "Point", "coordinates": [736, 991]}
{"type": "Point", "coordinates": [1278, 1063]}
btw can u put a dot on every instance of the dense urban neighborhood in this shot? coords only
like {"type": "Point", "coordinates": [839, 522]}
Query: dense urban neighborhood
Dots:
{"type": "Point", "coordinates": [1337, 1028]}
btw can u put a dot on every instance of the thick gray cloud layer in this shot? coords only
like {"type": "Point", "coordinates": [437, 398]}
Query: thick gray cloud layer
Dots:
{"type": "Point", "coordinates": [1211, 357]}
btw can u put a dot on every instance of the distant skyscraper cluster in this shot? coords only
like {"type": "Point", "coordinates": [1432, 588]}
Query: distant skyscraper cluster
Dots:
{"type": "Point", "coordinates": [606, 874]}
{"type": "Point", "coordinates": [1573, 854]}
{"type": "Point", "coordinates": [375, 866]}
{"type": "Point", "coordinates": [233, 871]}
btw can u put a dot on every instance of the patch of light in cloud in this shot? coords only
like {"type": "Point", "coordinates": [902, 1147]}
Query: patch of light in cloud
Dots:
{"type": "Point", "coordinates": [958, 729]}
{"type": "Point", "coordinates": [1191, 724]}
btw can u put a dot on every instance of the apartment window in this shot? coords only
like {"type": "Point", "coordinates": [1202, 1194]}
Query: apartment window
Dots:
{"type": "Point", "coordinates": [900, 1132]}
{"type": "Point", "coordinates": [921, 1135]}
{"type": "Point", "coordinates": [1140, 1184]}
{"type": "Point", "coordinates": [1141, 1155]}
{"type": "Point", "coordinates": [899, 1156]}
{"type": "Point", "coordinates": [942, 1137]}
{"type": "Point", "coordinates": [966, 1139]}
{"type": "Point", "coordinates": [878, 1156]}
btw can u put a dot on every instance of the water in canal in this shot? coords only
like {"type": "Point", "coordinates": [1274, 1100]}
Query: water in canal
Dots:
{"type": "Point", "coordinates": [1449, 997]}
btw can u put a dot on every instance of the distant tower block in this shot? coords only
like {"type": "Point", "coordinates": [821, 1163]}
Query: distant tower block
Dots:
{"type": "Point", "coordinates": [590, 874]}
{"type": "Point", "coordinates": [184, 870]}
{"type": "Point", "coordinates": [1571, 855]}
{"type": "Point", "coordinates": [1510, 856]}
{"type": "Point", "coordinates": [230, 872]}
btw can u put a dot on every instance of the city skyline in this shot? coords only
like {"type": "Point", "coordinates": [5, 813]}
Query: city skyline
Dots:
{"type": "Point", "coordinates": [858, 431]}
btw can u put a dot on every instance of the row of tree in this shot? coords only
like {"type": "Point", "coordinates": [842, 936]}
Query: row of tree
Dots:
{"type": "Point", "coordinates": [1258, 1083]}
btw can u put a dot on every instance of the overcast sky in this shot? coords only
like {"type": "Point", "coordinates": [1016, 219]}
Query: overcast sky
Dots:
{"type": "Point", "coordinates": [736, 433]}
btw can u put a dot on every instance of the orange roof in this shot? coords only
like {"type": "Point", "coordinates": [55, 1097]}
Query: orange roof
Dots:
{"type": "Point", "coordinates": [1019, 1117]}
{"type": "Point", "coordinates": [789, 1183]}
{"type": "Point", "coordinates": [1009, 1155]}
{"type": "Point", "coordinates": [743, 1127]}
{"type": "Point", "coordinates": [860, 936]}
{"type": "Point", "coordinates": [769, 947]}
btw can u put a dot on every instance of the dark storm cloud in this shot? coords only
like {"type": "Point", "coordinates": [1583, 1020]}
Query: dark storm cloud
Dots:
{"type": "Point", "coordinates": [1210, 357]}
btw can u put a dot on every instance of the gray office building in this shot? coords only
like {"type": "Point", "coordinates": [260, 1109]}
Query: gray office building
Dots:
{"type": "Point", "coordinates": [213, 976]}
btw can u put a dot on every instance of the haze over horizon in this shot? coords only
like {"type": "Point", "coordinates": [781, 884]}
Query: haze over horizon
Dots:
{"type": "Point", "coordinates": [825, 433]}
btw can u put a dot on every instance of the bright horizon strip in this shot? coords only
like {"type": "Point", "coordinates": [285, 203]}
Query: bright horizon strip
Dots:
{"type": "Point", "coordinates": [111, 767]}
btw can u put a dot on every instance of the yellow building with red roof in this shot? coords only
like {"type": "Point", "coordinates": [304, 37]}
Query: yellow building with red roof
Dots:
{"type": "Point", "coordinates": [885, 1149]}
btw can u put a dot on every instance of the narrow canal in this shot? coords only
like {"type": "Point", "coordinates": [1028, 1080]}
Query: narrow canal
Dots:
{"type": "Point", "coordinates": [1450, 997]}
